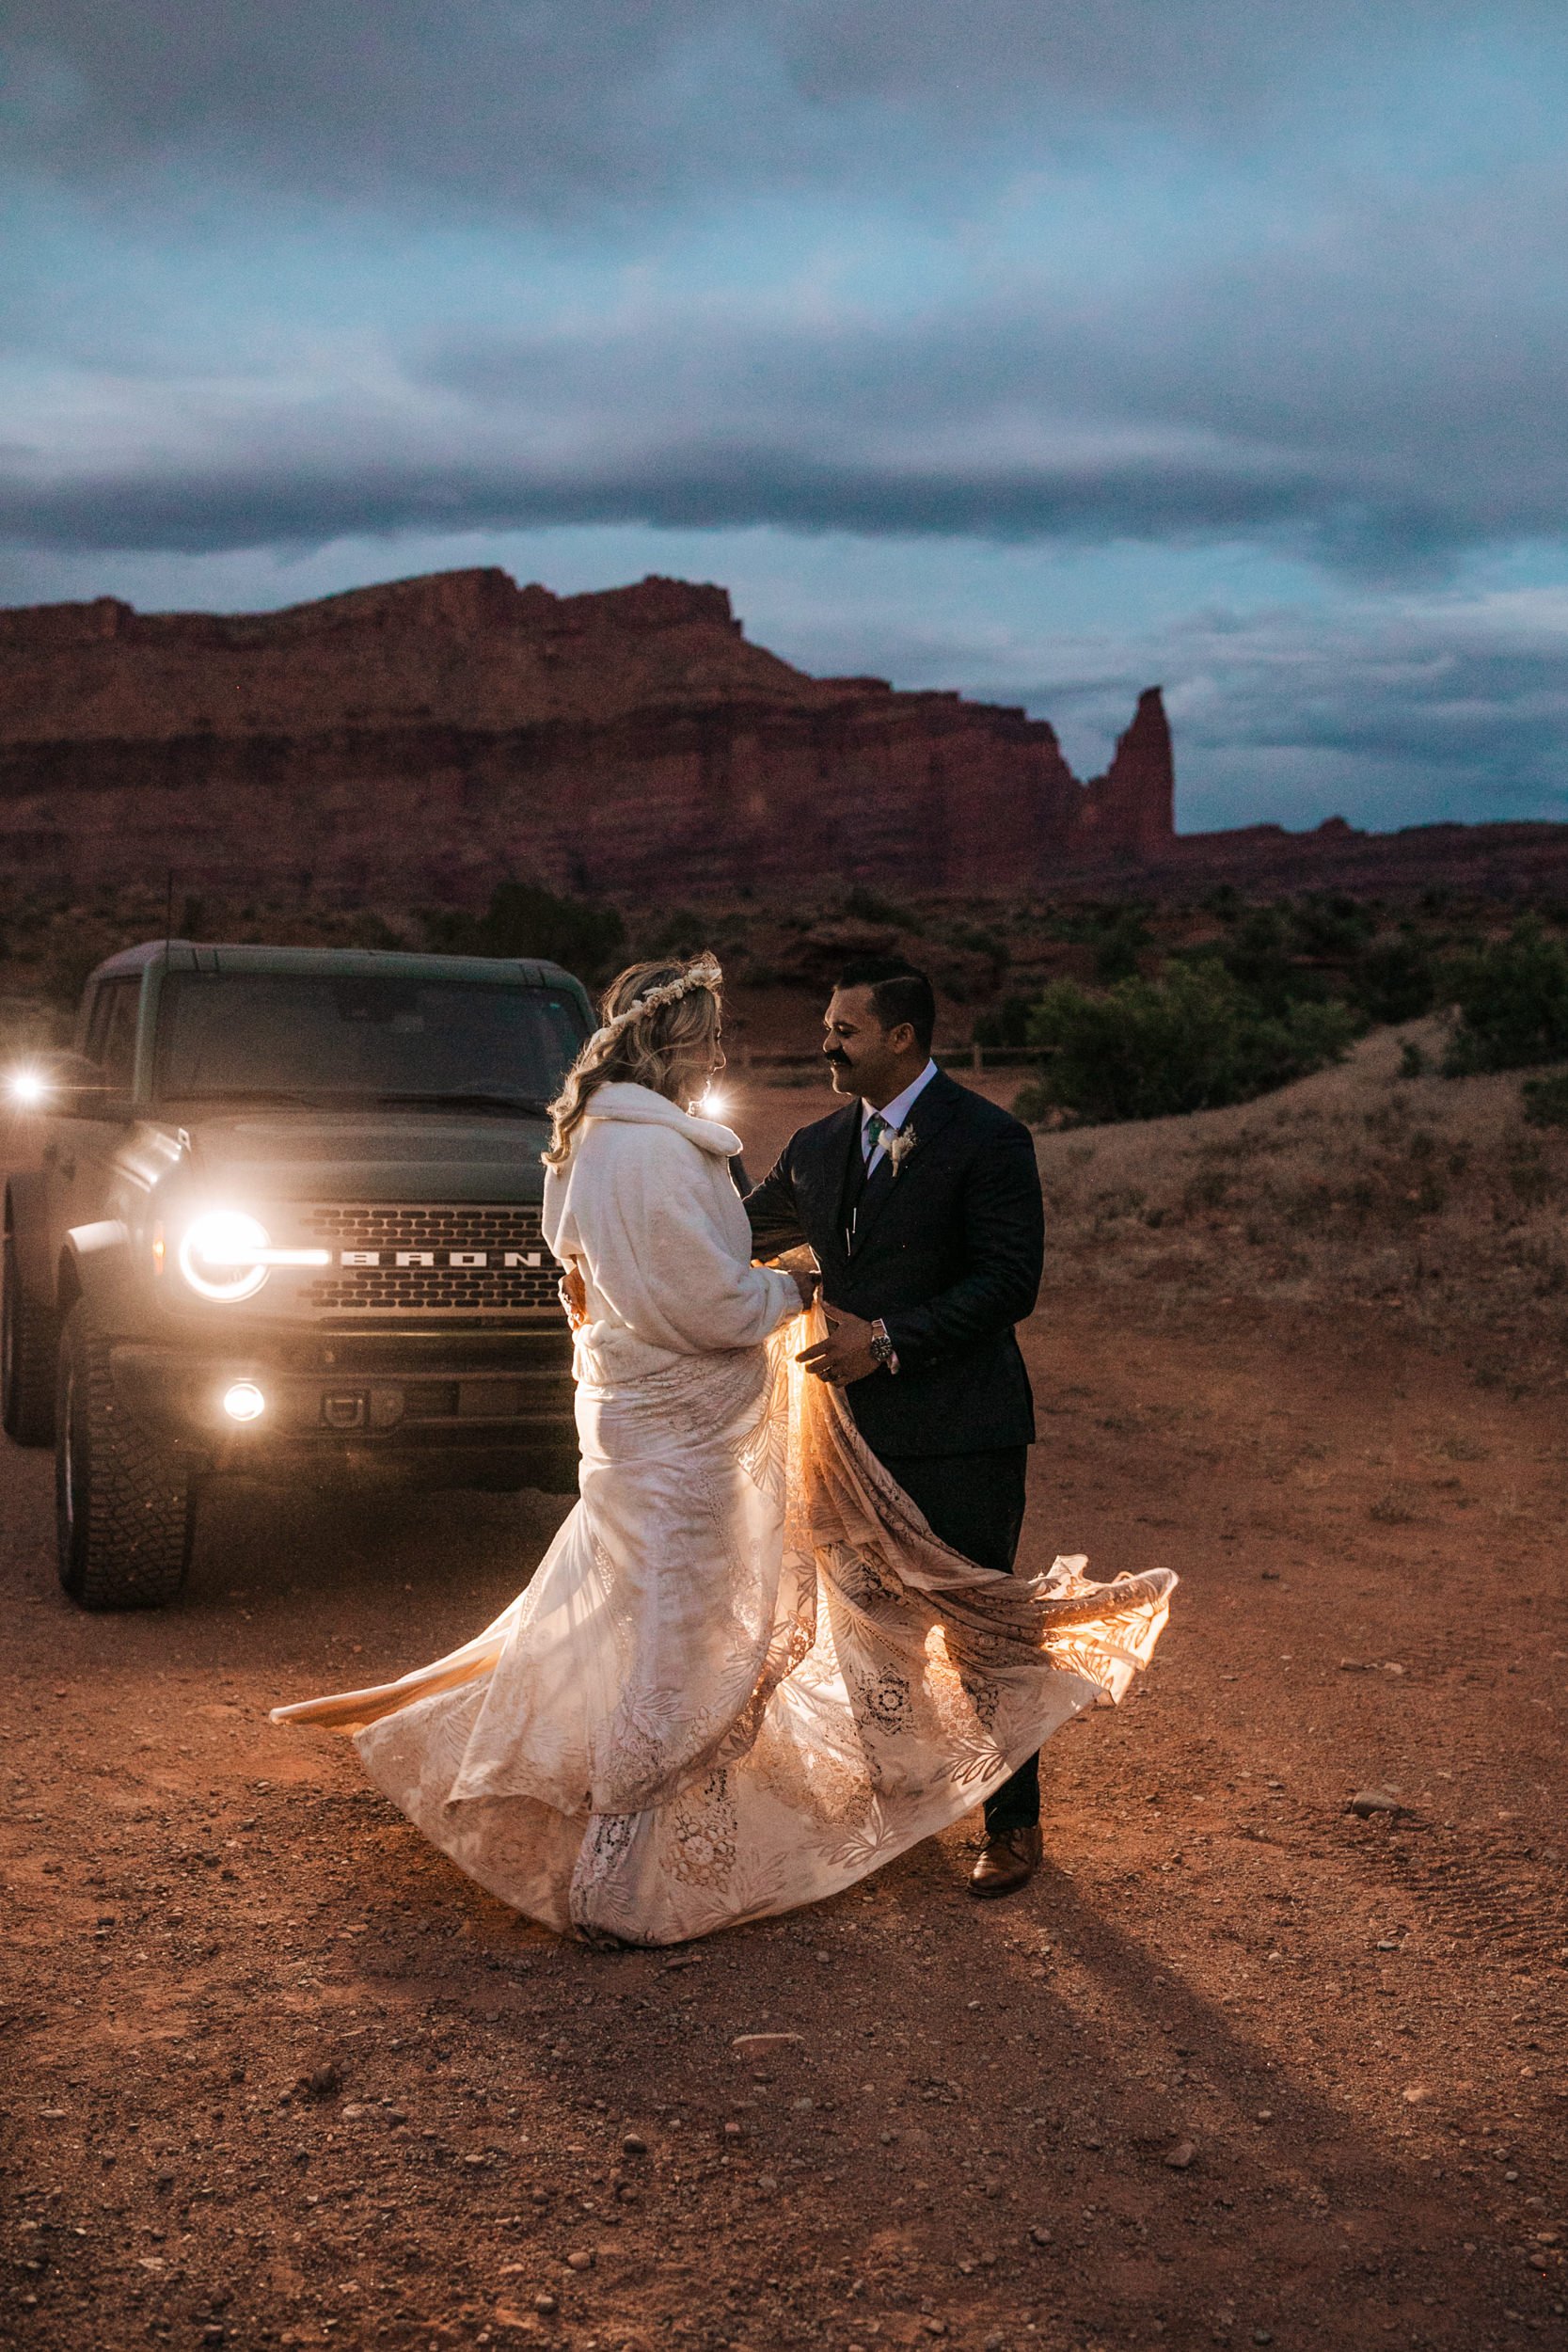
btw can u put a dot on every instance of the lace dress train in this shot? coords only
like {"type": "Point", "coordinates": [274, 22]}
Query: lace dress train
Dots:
{"type": "Point", "coordinates": [745, 1674]}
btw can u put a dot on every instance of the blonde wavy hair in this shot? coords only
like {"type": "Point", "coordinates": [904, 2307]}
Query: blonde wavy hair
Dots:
{"type": "Point", "coordinates": [653, 1017]}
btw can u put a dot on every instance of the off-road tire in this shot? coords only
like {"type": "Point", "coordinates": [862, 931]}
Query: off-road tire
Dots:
{"type": "Point", "coordinates": [29, 1350]}
{"type": "Point", "coordinates": [556, 1475]}
{"type": "Point", "coordinates": [123, 1503]}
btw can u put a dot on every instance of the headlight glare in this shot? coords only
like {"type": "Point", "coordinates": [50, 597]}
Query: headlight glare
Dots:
{"type": "Point", "coordinates": [220, 1255]}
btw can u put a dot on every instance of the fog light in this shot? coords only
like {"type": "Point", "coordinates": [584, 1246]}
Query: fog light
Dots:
{"type": "Point", "coordinates": [244, 1402]}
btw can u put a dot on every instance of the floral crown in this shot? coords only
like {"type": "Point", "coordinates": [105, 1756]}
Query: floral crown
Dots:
{"type": "Point", "coordinates": [704, 973]}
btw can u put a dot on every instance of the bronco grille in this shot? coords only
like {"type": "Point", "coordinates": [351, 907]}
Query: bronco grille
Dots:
{"type": "Point", "coordinates": [501, 1263]}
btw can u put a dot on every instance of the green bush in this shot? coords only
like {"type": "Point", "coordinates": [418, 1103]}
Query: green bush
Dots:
{"type": "Point", "coordinates": [979, 939]}
{"type": "Point", "coordinates": [524, 919]}
{"type": "Point", "coordinates": [681, 933]}
{"type": "Point", "coordinates": [69, 961]}
{"type": "Point", "coordinates": [1119, 945]}
{"type": "Point", "coordinates": [1264, 955]}
{"type": "Point", "coordinates": [1546, 1103]}
{"type": "Point", "coordinates": [1395, 979]}
{"type": "Point", "coordinates": [1513, 999]}
{"type": "Point", "coordinates": [1332, 926]}
{"type": "Point", "coordinates": [1190, 1041]}
{"type": "Point", "coordinates": [867, 905]}
{"type": "Point", "coordinates": [1006, 1024]}
{"type": "Point", "coordinates": [1116, 932]}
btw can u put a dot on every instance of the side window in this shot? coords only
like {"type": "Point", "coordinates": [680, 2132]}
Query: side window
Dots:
{"type": "Point", "coordinates": [96, 1021]}
{"type": "Point", "coordinates": [112, 1032]}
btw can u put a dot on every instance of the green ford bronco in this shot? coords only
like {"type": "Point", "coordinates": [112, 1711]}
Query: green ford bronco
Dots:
{"type": "Point", "coordinates": [279, 1214]}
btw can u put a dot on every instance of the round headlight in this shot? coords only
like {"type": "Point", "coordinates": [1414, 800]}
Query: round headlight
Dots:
{"type": "Point", "coordinates": [218, 1256]}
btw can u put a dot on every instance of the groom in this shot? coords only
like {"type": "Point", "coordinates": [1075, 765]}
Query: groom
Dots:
{"type": "Point", "coordinates": [922, 1202]}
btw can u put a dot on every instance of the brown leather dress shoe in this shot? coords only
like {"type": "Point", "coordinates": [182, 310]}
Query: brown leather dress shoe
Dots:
{"type": "Point", "coordinates": [1007, 1861]}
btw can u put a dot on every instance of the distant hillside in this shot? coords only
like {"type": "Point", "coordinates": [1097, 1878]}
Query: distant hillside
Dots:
{"type": "Point", "coordinates": [427, 735]}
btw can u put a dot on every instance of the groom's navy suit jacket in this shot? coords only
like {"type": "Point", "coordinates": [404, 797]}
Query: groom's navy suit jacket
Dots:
{"type": "Point", "coordinates": [947, 1249]}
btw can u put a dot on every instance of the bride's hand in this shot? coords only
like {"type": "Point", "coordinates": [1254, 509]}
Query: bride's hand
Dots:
{"type": "Point", "coordinates": [572, 1291]}
{"type": "Point", "coordinates": [805, 1280]}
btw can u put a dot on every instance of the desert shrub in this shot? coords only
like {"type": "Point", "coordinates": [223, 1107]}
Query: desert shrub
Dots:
{"type": "Point", "coordinates": [69, 961]}
{"type": "Point", "coordinates": [1118, 946]}
{"type": "Point", "coordinates": [1395, 980]}
{"type": "Point", "coordinates": [1529, 1173]}
{"type": "Point", "coordinates": [366, 928]}
{"type": "Point", "coordinates": [1116, 934]}
{"type": "Point", "coordinates": [1331, 926]}
{"type": "Point", "coordinates": [1190, 1041]}
{"type": "Point", "coordinates": [1428, 1197]}
{"type": "Point", "coordinates": [1261, 954]}
{"type": "Point", "coordinates": [1512, 1000]}
{"type": "Point", "coordinates": [1117, 1201]}
{"type": "Point", "coordinates": [1545, 1101]}
{"type": "Point", "coordinates": [680, 932]}
{"type": "Point", "coordinates": [525, 919]}
{"type": "Point", "coordinates": [870, 906]}
{"type": "Point", "coordinates": [978, 939]}
{"type": "Point", "coordinates": [1006, 1024]}
{"type": "Point", "coordinates": [1209, 1189]}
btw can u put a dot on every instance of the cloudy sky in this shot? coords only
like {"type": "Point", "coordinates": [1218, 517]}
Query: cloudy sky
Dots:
{"type": "Point", "coordinates": [1041, 348]}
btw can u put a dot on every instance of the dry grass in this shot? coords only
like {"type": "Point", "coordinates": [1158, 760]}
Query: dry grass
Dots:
{"type": "Point", "coordinates": [1428, 1196]}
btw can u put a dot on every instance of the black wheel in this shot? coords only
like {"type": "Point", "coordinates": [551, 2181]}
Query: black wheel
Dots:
{"type": "Point", "coordinates": [556, 1475]}
{"type": "Point", "coordinates": [123, 1504]}
{"type": "Point", "coordinates": [29, 1350]}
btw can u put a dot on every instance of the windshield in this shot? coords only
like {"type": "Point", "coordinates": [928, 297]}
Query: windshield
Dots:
{"type": "Point", "coordinates": [333, 1038]}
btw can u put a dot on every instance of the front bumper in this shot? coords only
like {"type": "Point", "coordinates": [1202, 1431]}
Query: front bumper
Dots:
{"type": "Point", "coordinates": [435, 1398]}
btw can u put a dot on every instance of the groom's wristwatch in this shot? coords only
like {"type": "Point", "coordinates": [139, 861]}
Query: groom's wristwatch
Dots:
{"type": "Point", "coordinates": [881, 1346]}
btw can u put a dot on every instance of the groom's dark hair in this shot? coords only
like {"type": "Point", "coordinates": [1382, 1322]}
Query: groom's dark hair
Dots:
{"type": "Point", "coordinates": [898, 993]}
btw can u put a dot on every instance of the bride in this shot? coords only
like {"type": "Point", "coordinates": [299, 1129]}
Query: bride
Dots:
{"type": "Point", "coordinates": [745, 1674]}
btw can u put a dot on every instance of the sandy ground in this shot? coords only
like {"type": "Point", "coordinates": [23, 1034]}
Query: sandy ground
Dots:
{"type": "Point", "coordinates": [1240, 2068]}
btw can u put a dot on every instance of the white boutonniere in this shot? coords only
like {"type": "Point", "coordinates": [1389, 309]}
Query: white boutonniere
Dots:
{"type": "Point", "coordinates": [899, 1146]}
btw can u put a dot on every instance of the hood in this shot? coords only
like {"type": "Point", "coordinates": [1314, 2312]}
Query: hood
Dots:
{"type": "Point", "coordinates": [640, 1106]}
{"type": "Point", "coordinates": [435, 1155]}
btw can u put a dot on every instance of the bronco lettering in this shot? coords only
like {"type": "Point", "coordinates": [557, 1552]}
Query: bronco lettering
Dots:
{"type": "Point", "coordinates": [463, 1259]}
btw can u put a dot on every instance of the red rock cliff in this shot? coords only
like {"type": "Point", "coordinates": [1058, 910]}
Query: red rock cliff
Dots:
{"type": "Point", "coordinates": [427, 735]}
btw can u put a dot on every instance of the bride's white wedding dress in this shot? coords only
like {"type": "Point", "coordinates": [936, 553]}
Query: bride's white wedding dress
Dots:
{"type": "Point", "coordinates": [746, 1673]}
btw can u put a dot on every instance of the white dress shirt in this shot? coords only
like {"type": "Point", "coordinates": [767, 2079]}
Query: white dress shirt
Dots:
{"type": "Point", "coordinates": [895, 1113]}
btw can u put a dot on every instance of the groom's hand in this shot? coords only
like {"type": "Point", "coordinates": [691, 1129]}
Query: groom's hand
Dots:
{"type": "Point", "coordinates": [845, 1355]}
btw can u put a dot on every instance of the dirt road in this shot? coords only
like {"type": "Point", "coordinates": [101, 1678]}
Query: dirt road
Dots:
{"type": "Point", "coordinates": [1242, 2068]}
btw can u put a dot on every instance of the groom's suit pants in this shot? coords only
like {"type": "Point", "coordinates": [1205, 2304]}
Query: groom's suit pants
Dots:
{"type": "Point", "coordinates": [975, 1502]}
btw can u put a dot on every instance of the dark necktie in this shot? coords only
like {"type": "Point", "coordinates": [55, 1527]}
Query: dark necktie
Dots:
{"type": "Point", "coordinates": [871, 1132]}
